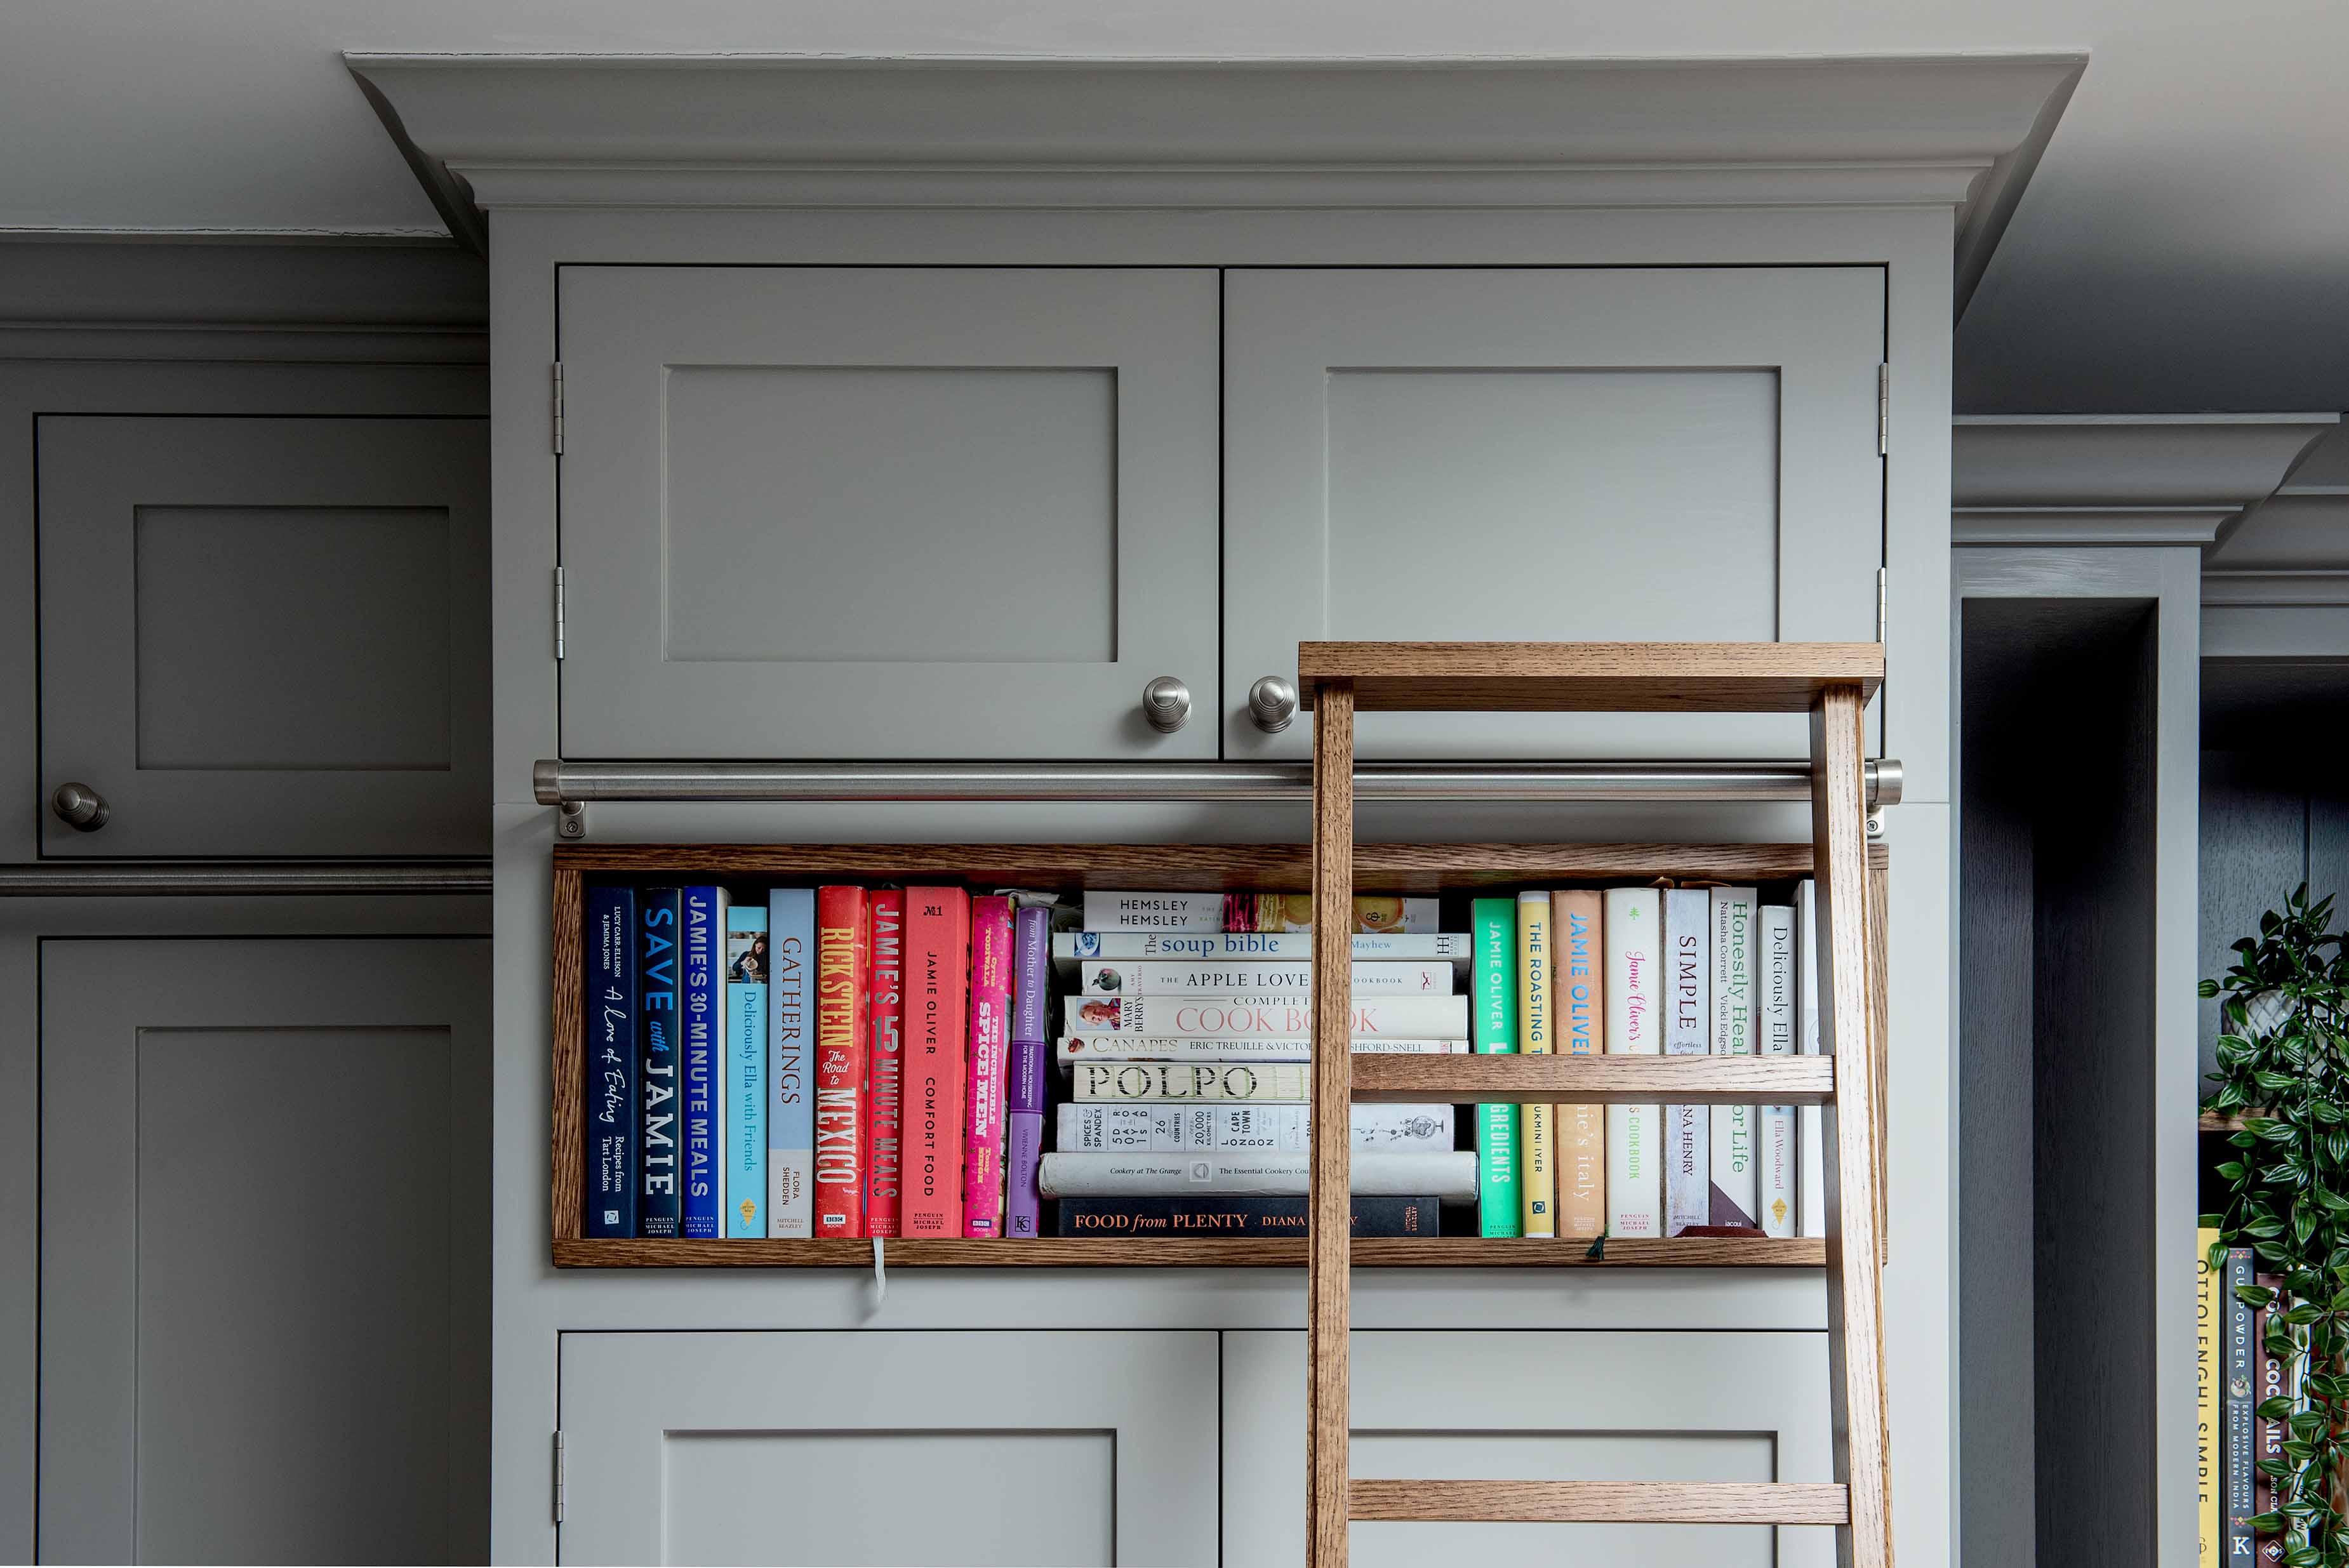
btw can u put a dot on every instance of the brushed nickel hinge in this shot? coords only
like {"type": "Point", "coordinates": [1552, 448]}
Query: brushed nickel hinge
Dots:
{"type": "Point", "coordinates": [559, 613]}
{"type": "Point", "coordinates": [1883, 605]}
{"type": "Point", "coordinates": [558, 1478]}
{"type": "Point", "coordinates": [1883, 409]}
{"type": "Point", "coordinates": [558, 407]}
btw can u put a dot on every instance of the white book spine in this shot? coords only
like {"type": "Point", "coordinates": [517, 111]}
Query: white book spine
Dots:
{"type": "Point", "coordinates": [1075, 1048]}
{"type": "Point", "coordinates": [1239, 976]}
{"type": "Point", "coordinates": [1192, 1080]}
{"type": "Point", "coordinates": [1155, 912]}
{"type": "Point", "coordinates": [1150, 1127]}
{"type": "Point", "coordinates": [1733, 1036]}
{"type": "Point", "coordinates": [1688, 1032]}
{"type": "Point", "coordinates": [1774, 1129]}
{"type": "Point", "coordinates": [1811, 1175]}
{"type": "Point", "coordinates": [1450, 1176]}
{"type": "Point", "coordinates": [1070, 946]}
{"type": "Point", "coordinates": [1633, 933]}
{"type": "Point", "coordinates": [1286, 1016]}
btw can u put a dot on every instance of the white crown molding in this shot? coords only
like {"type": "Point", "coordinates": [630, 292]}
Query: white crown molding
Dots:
{"type": "Point", "coordinates": [2190, 525]}
{"type": "Point", "coordinates": [2263, 588]}
{"type": "Point", "coordinates": [1960, 131]}
{"type": "Point", "coordinates": [2070, 480]}
{"type": "Point", "coordinates": [2290, 549]}
{"type": "Point", "coordinates": [2063, 460]}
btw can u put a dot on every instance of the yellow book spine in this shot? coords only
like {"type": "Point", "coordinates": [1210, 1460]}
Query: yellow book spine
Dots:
{"type": "Point", "coordinates": [1538, 1185]}
{"type": "Point", "coordinates": [2208, 1315]}
{"type": "Point", "coordinates": [1581, 1032]}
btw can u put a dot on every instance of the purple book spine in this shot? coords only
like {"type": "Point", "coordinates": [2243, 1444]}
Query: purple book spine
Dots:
{"type": "Point", "coordinates": [1031, 952]}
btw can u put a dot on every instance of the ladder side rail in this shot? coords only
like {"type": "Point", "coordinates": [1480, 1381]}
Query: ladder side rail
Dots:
{"type": "Point", "coordinates": [1854, 1303]}
{"type": "Point", "coordinates": [1327, 1312]}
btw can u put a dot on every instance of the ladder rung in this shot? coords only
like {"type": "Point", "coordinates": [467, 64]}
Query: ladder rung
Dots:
{"type": "Point", "coordinates": [1680, 1080]}
{"type": "Point", "coordinates": [1590, 677]}
{"type": "Point", "coordinates": [1603, 1501]}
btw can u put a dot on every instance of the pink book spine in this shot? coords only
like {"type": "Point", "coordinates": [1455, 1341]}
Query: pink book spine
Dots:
{"type": "Point", "coordinates": [991, 1034]}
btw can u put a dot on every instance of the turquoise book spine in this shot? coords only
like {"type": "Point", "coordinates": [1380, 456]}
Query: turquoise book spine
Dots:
{"type": "Point", "coordinates": [1493, 998]}
{"type": "Point", "coordinates": [746, 1071]}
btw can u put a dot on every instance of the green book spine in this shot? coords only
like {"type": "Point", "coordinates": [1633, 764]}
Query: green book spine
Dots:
{"type": "Point", "coordinates": [1493, 996]}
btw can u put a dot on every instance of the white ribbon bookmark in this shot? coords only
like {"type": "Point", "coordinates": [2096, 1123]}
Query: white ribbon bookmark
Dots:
{"type": "Point", "coordinates": [880, 1276]}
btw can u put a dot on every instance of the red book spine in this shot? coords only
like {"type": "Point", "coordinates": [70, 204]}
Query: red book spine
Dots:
{"type": "Point", "coordinates": [840, 959]}
{"type": "Point", "coordinates": [884, 1073]}
{"type": "Point", "coordinates": [937, 955]}
{"type": "Point", "coordinates": [990, 1036]}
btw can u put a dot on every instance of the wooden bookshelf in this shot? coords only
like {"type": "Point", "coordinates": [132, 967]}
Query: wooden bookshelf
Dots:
{"type": "Point", "coordinates": [1198, 1252]}
{"type": "Point", "coordinates": [1378, 868]}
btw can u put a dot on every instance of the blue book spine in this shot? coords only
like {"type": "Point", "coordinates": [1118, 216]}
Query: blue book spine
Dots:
{"type": "Point", "coordinates": [745, 1070]}
{"type": "Point", "coordinates": [659, 1207]}
{"type": "Point", "coordinates": [791, 1062]}
{"type": "Point", "coordinates": [703, 1006]}
{"type": "Point", "coordinates": [610, 1012]}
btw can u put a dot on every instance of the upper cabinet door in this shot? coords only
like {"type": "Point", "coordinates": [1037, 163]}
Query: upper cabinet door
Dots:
{"type": "Point", "coordinates": [886, 512]}
{"type": "Point", "coordinates": [266, 636]}
{"type": "Point", "coordinates": [1547, 454]}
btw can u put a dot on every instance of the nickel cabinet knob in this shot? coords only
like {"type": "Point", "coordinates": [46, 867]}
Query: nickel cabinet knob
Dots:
{"type": "Point", "coordinates": [1166, 703]}
{"type": "Point", "coordinates": [80, 807]}
{"type": "Point", "coordinates": [1272, 703]}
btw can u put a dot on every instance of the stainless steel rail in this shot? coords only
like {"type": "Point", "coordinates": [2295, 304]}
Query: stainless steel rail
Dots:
{"type": "Point", "coordinates": [229, 878]}
{"type": "Point", "coordinates": [558, 783]}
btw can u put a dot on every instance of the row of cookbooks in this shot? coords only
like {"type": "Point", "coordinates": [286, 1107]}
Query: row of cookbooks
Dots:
{"type": "Point", "coordinates": [2251, 1363]}
{"type": "Point", "coordinates": [842, 1061]}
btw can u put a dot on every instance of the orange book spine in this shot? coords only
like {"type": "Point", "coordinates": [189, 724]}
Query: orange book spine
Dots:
{"type": "Point", "coordinates": [842, 938]}
{"type": "Point", "coordinates": [938, 967]}
{"type": "Point", "coordinates": [1579, 964]}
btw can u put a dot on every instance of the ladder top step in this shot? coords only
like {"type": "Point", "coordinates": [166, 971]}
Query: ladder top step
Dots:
{"type": "Point", "coordinates": [1603, 1501]}
{"type": "Point", "coordinates": [1590, 677]}
{"type": "Point", "coordinates": [1621, 1080]}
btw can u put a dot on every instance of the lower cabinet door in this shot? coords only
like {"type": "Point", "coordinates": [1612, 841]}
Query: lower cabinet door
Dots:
{"type": "Point", "coordinates": [1510, 1406]}
{"type": "Point", "coordinates": [264, 1250]}
{"type": "Point", "coordinates": [863, 1448]}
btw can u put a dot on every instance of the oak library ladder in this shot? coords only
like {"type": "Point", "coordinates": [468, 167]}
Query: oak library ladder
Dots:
{"type": "Point", "coordinates": [1833, 682]}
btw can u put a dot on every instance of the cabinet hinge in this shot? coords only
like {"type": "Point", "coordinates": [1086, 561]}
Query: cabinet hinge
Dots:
{"type": "Point", "coordinates": [558, 1478]}
{"type": "Point", "coordinates": [1883, 605]}
{"type": "Point", "coordinates": [559, 609]}
{"type": "Point", "coordinates": [1883, 408]}
{"type": "Point", "coordinates": [558, 407]}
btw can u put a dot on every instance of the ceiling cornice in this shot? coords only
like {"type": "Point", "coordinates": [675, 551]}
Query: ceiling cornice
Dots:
{"type": "Point", "coordinates": [1962, 131]}
{"type": "Point", "coordinates": [2077, 479]}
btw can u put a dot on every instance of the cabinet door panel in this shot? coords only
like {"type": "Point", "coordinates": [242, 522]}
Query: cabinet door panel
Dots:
{"type": "Point", "coordinates": [850, 513]}
{"type": "Point", "coordinates": [1566, 455]}
{"type": "Point", "coordinates": [264, 1251]}
{"type": "Point", "coordinates": [266, 636]}
{"type": "Point", "coordinates": [1514, 1406]}
{"type": "Point", "coordinates": [825, 1448]}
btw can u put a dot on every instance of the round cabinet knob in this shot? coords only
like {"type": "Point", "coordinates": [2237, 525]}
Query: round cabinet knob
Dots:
{"type": "Point", "coordinates": [1166, 703]}
{"type": "Point", "coordinates": [80, 807]}
{"type": "Point", "coordinates": [1272, 703]}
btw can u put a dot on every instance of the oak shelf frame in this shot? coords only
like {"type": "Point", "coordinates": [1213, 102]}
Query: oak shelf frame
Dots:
{"type": "Point", "coordinates": [1198, 1252]}
{"type": "Point", "coordinates": [1418, 868]}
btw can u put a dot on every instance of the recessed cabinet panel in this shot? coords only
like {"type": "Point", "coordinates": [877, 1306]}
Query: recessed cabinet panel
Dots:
{"type": "Point", "coordinates": [1568, 455]}
{"type": "Point", "coordinates": [1517, 1405]}
{"type": "Point", "coordinates": [266, 636]}
{"type": "Point", "coordinates": [1061, 1448]}
{"type": "Point", "coordinates": [265, 1254]}
{"type": "Point", "coordinates": [872, 512]}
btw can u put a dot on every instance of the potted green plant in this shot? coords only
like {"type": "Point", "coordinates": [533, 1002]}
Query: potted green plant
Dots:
{"type": "Point", "coordinates": [2284, 1070]}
